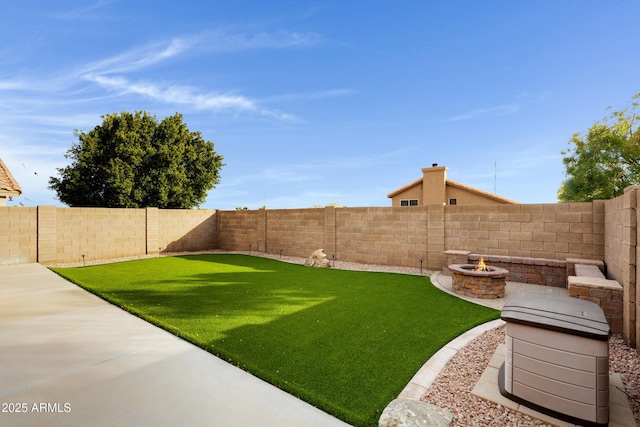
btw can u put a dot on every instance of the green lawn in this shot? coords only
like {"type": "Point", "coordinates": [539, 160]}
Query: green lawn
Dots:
{"type": "Point", "coordinates": [348, 342]}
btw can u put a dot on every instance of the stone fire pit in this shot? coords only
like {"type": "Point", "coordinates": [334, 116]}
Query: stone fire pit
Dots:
{"type": "Point", "coordinates": [468, 281]}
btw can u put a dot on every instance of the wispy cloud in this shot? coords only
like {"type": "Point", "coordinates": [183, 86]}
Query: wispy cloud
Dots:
{"type": "Point", "coordinates": [137, 58]}
{"type": "Point", "coordinates": [189, 96]}
{"type": "Point", "coordinates": [13, 85]}
{"type": "Point", "coordinates": [36, 108]}
{"type": "Point", "coordinates": [112, 73]}
{"type": "Point", "coordinates": [220, 41]}
{"type": "Point", "coordinates": [499, 110]}
{"type": "Point", "coordinates": [51, 122]}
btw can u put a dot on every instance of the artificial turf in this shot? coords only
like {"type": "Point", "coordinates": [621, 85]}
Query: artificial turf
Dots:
{"type": "Point", "coordinates": [345, 341]}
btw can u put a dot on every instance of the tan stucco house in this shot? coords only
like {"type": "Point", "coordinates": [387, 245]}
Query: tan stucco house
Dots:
{"type": "Point", "coordinates": [435, 188]}
{"type": "Point", "coordinates": [9, 187]}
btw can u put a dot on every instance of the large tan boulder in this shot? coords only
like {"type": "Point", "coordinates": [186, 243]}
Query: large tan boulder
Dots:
{"type": "Point", "coordinates": [318, 259]}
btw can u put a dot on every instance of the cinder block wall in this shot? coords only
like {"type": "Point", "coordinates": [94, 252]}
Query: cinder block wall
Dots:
{"type": "Point", "coordinates": [48, 234]}
{"type": "Point", "coordinates": [382, 235]}
{"type": "Point", "coordinates": [297, 232]}
{"type": "Point", "coordinates": [621, 250]}
{"type": "Point", "coordinates": [180, 230]}
{"type": "Point", "coordinates": [97, 233]}
{"type": "Point", "coordinates": [554, 231]}
{"type": "Point", "coordinates": [614, 237]}
{"type": "Point", "coordinates": [238, 230]}
{"type": "Point", "coordinates": [392, 236]}
{"type": "Point", "coordinates": [18, 235]}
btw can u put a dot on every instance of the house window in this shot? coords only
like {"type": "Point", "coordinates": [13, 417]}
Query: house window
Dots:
{"type": "Point", "coordinates": [453, 201]}
{"type": "Point", "coordinates": [409, 202]}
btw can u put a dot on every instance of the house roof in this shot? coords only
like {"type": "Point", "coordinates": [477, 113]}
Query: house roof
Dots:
{"type": "Point", "coordinates": [404, 188]}
{"type": "Point", "coordinates": [457, 185]}
{"type": "Point", "coordinates": [480, 192]}
{"type": "Point", "coordinates": [8, 184]}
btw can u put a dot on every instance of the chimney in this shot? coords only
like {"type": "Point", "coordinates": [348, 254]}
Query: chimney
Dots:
{"type": "Point", "coordinates": [434, 184]}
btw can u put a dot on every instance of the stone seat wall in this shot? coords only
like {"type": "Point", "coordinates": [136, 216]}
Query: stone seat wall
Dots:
{"type": "Point", "coordinates": [536, 271]}
{"type": "Point", "coordinates": [589, 282]}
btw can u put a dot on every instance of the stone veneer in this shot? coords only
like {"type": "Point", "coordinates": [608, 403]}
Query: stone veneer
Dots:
{"type": "Point", "coordinates": [588, 282]}
{"type": "Point", "coordinates": [478, 284]}
{"type": "Point", "coordinates": [536, 271]}
{"type": "Point", "coordinates": [606, 293]}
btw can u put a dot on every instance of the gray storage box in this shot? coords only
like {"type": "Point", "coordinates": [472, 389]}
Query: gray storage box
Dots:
{"type": "Point", "coordinates": [557, 357]}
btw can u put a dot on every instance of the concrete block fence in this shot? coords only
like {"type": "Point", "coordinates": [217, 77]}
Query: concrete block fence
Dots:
{"type": "Point", "coordinates": [48, 234]}
{"type": "Point", "coordinates": [605, 230]}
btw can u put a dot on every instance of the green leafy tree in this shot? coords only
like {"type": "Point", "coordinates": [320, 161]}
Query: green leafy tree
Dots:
{"type": "Point", "coordinates": [134, 161]}
{"type": "Point", "coordinates": [603, 162]}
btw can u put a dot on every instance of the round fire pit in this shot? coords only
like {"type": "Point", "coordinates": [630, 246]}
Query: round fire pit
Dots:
{"type": "Point", "coordinates": [470, 282]}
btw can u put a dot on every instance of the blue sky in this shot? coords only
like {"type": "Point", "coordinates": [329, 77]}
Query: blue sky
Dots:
{"type": "Point", "coordinates": [312, 103]}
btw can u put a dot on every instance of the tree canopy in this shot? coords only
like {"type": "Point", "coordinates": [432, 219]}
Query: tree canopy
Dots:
{"type": "Point", "coordinates": [134, 161]}
{"type": "Point", "coordinates": [605, 160]}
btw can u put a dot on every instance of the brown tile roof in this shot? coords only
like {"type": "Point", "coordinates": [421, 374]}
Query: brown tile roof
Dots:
{"type": "Point", "coordinates": [8, 184]}
{"type": "Point", "coordinates": [405, 187]}
{"type": "Point", "coordinates": [481, 192]}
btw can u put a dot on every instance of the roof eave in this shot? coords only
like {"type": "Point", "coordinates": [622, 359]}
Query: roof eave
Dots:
{"type": "Point", "coordinates": [482, 192]}
{"type": "Point", "coordinates": [13, 188]}
{"type": "Point", "coordinates": [404, 188]}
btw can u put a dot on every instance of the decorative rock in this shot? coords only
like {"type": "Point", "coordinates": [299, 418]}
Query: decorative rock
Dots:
{"type": "Point", "coordinates": [318, 259]}
{"type": "Point", "coordinates": [413, 413]}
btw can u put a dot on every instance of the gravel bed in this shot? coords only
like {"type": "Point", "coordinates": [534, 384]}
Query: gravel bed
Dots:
{"type": "Point", "coordinates": [340, 265]}
{"type": "Point", "coordinates": [452, 388]}
{"type": "Point", "coordinates": [626, 362]}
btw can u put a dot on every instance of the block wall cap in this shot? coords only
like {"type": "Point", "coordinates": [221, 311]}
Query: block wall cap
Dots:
{"type": "Point", "coordinates": [597, 262]}
{"type": "Point", "coordinates": [455, 252]}
{"type": "Point", "coordinates": [593, 282]}
{"type": "Point", "coordinates": [519, 260]}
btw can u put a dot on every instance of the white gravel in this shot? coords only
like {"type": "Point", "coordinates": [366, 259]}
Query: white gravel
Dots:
{"type": "Point", "coordinates": [340, 265]}
{"type": "Point", "coordinates": [452, 388]}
